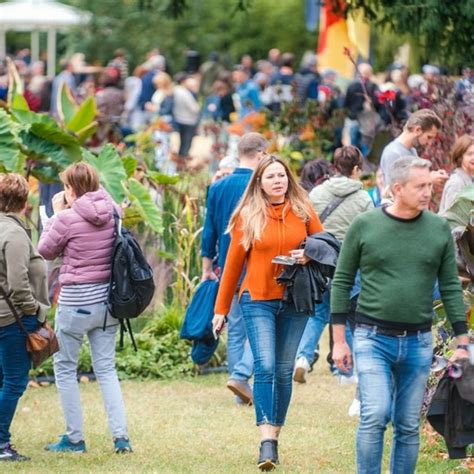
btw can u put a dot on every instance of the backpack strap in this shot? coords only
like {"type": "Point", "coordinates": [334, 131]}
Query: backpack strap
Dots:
{"type": "Point", "coordinates": [333, 205]}
{"type": "Point", "coordinates": [118, 231]}
{"type": "Point", "coordinates": [125, 326]}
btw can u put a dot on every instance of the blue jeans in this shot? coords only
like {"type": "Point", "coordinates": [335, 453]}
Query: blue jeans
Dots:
{"type": "Point", "coordinates": [392, 372]}
{"type": "Point", "coordinates": [315, 328]}
{"type": "Point", "coordinates": [15, 364]}
{"type": "Point", "coordinates": [274, 330]}
{"type": "Point", "coordinates": [239, 354]}
{"type": "Point", "coordinates": [356, 138]}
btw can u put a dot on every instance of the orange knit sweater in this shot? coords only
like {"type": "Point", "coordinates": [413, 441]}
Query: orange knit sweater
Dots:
{"type": "Point", "coordinates": [284, 232]}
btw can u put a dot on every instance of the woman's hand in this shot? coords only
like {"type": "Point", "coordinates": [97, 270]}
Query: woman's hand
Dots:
{"type": "Point", "coordinates": [59, 202]}
{"type": "Point", "coordinates": [218, 323]}
{"type": "Point", "coordinates": [301, 258]}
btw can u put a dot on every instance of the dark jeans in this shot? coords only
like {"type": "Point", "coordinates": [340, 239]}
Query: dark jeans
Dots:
{"type": "Point", "coordinates": [186, 135]}
{"type": "Point", "coordinates": [274, 330]}
{"type": "Point", "coordinates": [15, 364]}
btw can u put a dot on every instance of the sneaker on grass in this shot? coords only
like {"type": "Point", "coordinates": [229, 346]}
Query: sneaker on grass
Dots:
{"type": "Point", "coordinates": [302, 367]}
{"type": "Point", "coordinates": [122, 445]}
{"type": "Point", "coordinates": [354, 409]}
{"type": "Point", "coordinates": [65, 445]}
{"type": "Point", "coordinates": [9, 453]}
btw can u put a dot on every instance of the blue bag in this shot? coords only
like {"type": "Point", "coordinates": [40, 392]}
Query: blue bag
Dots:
{"type": "Point", "coordinates": [197, 324]}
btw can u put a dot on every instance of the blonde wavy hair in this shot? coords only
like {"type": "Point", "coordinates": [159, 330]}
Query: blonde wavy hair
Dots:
{"type": "Point", "coordinates": [254, 207]}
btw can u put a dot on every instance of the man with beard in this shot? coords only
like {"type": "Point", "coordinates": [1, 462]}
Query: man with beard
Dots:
{"type": "Point", "coordinates": [420, 130]}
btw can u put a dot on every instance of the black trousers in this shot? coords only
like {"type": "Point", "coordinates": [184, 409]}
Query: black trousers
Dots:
{"type": "Point", "coordinates": [186, 135]}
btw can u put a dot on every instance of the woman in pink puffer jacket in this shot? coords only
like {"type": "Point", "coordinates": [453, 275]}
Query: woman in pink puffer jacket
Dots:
{"type": "Point", "coordinates": [82, 231]}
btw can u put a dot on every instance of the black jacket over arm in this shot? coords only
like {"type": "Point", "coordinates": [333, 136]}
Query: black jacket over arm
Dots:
{"type": "Point", "coordinates": [305, 284]}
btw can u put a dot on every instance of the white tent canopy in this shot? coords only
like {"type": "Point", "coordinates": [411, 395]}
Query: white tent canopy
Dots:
{"type": "Point", "coordinates": [37, 16]}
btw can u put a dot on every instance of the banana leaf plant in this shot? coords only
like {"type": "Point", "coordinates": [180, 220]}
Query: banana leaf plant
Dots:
{"type": "Point", "coordinates": [35, 144]}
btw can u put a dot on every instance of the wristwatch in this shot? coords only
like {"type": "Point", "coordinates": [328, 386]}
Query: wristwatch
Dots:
{"type": "Point", "coordinates": [464, 347]}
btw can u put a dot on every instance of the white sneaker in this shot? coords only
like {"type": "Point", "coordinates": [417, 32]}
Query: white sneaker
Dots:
{"type": "Point", "coordinates": [354, 409]}
{"type": "Point", "coordinates": [302, 367]}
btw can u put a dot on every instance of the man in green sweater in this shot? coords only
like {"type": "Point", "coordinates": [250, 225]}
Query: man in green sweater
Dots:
{"type": "Point", "coordinates": [401, 250]}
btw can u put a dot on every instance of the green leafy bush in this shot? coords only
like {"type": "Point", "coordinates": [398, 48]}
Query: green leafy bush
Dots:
{"type": "Point", "coordinates": [161, 353]}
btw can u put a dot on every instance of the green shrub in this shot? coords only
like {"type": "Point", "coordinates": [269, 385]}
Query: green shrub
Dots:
{"type": "Point", "coordinates": [161, 353]}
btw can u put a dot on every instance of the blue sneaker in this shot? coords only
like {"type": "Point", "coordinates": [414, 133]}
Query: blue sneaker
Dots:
{"type": "Point", "coordinates": [122, 445]}
{"type": "Point", "coordinates": [65, 445]}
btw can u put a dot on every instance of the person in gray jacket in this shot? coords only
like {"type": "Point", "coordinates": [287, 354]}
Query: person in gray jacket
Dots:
{"type": "Point", "coordinates": [345, 184]}
{"type": "Point", "coordinates": [23, 276]}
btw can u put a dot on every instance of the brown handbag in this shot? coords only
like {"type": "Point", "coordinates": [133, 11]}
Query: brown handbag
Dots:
{"type": "Point", "coordinates": [42, 343]}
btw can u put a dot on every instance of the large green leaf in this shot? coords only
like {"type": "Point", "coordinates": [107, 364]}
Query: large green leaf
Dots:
{"type": "Point", "coordinates": [112, 174]}
{"type": "Point", "coordinates": [83, 117]}
{"type": "Point", "coordinates": [58, 156]}
{"type": "Point", "coordinates": [67, 106]}
{"type": "Point", "coordinates": [19, 102]}
{"type": "Point", "coordinates": [130, 165]}
{"type": "Point", "coordinates": [10, 152]}
{"type": "Point", "coordinates": [45, 127]}
{"type": "Point", "coordinates": [85, 133]}
{"type": "Point", "coordinates": [143, 203]}
{"type": "Point", "coordinates": [45, 173]}
{"type": "Point", "coordinates": [161, 178]}
{"type": "Point", "coordinates": [459, 212]}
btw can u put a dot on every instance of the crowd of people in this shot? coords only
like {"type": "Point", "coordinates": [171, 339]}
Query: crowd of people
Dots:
{"type": "Point", "coordinates": [257, 208]}
{"type": "Point", "coordinates": [348, 255]}
{"type": "Point", "coordinates": [129, 101]}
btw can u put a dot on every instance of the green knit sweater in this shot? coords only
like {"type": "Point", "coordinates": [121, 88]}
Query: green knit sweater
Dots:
{"type": "Point", "coordinates": [399, 261]}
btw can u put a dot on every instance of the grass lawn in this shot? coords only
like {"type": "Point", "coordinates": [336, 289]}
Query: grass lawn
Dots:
{"type": "Point", "coordinates": [193, 425]}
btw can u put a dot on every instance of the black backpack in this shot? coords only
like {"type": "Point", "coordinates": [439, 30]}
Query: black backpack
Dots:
{"type": "Point", "coordinates": [131, 285]}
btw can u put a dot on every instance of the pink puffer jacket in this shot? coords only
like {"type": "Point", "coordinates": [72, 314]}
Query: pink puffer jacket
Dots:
{"type": "Point", "coordinates": [84, 236]}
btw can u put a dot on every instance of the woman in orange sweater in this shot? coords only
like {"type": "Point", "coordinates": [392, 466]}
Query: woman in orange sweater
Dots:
{"type": "Point", "coordinates": [273, 218]}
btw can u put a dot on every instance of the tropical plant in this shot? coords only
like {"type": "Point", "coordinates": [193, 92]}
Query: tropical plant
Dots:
{"type": "Point", "coordinates": [183, 217]}
{"type": "Point", "coordinates": [35, 144]}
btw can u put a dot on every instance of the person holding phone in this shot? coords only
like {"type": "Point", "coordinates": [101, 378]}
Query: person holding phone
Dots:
{"type": "Point", "coordinates": [82, 230]}
{"type": "Point", "coordinates": [272, 219]}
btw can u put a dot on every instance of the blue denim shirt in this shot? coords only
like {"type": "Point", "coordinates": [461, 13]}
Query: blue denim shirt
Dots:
{"type": "Point", "coordinates": [222, 199]}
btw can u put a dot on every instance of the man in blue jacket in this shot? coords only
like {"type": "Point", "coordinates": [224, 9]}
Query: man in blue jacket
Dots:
{"type": "Point", "coordinates": [222, 199]}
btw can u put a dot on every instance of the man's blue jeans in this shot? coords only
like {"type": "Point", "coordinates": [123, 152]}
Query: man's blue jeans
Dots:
{"type": "Point", "coordinates": [274, 330]}
{"type": "Point", "coordinates": [15, 364]}
{"type": "Point", "coordinates": [392, 373]}
{"type": "Point", "coordinates": [239, 353]}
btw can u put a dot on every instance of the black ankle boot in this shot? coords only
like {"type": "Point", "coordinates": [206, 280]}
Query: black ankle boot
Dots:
{"type": "Point", "coordinates": [268, 458]}
{"type": "Point", "coordinates": [277, 460]}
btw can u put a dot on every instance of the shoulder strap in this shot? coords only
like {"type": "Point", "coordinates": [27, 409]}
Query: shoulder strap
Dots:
{"type": "Point", "coordinates": [333, 205]}
{"type": "Point", "coordinates": [117, 232]}
{"type": "Point", "coordinates": [13, 310]}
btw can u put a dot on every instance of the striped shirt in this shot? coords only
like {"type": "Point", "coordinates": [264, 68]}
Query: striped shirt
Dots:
{"type": "Point", "coordinates": [83, 294]}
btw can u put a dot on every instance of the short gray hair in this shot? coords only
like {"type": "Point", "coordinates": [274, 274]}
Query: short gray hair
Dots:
{"type": "Point", "coordinates": [400, 170]}
{"type": "Point", "coordinates": [250, 144]}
